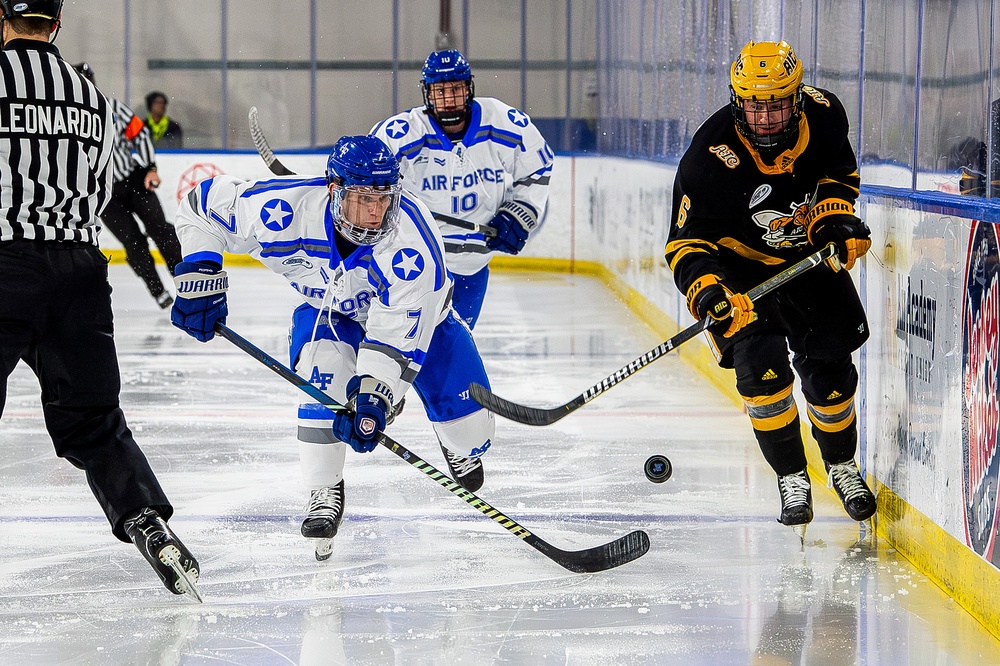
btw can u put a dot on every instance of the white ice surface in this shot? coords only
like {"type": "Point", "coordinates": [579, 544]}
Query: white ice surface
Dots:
{"type": "Point", "coordinates": [417, 575]}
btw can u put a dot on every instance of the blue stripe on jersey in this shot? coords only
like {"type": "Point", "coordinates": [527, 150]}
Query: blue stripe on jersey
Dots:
{"type": "Point", "coordinates": [496, 135]}
{"type": "Point", "coordinates": [313, 247]}
{"type": "Point", "coordinates": [214, 257]}
{"type": "Point", "coordinates": [357, 258]}
{"type": "Point", "coordinates": [430, 141]}
{"type": "Point", "coordinates": [283, 184]}
{"type": "Point", "coordinates": [378, 280]}
{"type": "Point", "coordinates": [204, 187]}
{"type": "Point", "coordinates": [425, 233]}
{"type": "Point", "coordinates": [417, 356]}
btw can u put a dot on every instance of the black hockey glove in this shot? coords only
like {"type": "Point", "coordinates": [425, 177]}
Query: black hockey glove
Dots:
{"type": "Point", "coordinates": [707, 297]}
{"type": "Point", "coordinates": [849, 233]}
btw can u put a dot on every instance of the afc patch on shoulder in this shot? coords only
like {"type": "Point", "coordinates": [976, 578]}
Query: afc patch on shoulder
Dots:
{"type": "Point", "coordinates": [726, 154]}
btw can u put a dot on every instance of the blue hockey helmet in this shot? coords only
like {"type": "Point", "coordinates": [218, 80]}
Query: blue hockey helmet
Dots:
{"type": "Point", "coordinates": [363, 177]}
{"type": "Point", "coordinates": [443, 67]}
{"type": "Point", "coordinates": [447, 65]}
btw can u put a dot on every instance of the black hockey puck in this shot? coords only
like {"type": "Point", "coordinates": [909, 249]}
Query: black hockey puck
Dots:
{"type": "Point", "coordinates": [658, 469]}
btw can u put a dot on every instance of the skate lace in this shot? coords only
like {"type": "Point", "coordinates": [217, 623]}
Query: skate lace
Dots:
{"type": "Point", "coordinates": [846, 478]}
{"type": "Point", "coordinates": [325, 499]}
{"type": "Point", "coordinates": [461, 466]}
{"type": "Point", "coordinates": [794, 489]}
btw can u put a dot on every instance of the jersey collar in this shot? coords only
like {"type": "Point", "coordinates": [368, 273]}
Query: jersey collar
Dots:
{"type": "Point", "coordinates": [471, 128]}
{"type": "Point", "coordinates": [22, 44]}
{"type": "Point", "coordinates": [785, 160]}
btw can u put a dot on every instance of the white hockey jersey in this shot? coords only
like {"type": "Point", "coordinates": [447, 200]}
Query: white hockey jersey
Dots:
{"type": "Point", "coordinates": [398, 289]}
{"type": "Point", "coordinates": [501, 157]}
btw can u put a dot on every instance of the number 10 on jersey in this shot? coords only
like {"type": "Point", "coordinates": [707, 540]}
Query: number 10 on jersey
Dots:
{"type": "Point", "coordinates": [465, 203]}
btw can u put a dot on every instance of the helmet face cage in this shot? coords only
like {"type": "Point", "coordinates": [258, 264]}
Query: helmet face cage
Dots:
{"type": "Point", "coordinates": [355, 201]}
{"type": "Point", "coordinates": [442, 67]}
{"type": "Point", "coordinates": [363, 179]}
{"type": "Point", "coordinates": [766, 73]}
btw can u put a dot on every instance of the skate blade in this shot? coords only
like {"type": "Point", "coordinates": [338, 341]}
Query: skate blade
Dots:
{"type": "Point", "coordinates": [185, 585]}
{"type": "Point", "coordinates": [324, 548]}
{"type": "Point", "coordinates": [800, 530]}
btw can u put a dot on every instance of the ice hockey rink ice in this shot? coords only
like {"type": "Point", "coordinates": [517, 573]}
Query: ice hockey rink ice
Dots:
{"type": "Point", "coordinates": [418, 576]}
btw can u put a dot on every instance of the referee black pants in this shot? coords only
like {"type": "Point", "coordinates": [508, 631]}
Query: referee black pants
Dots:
{"type": "Point", "coordinates": [55, 315]}
{"type": "Point", "coordinates": [130, 198]}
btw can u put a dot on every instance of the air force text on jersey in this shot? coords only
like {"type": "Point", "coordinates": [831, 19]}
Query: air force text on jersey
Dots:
{"type": "Point", "coordinates": [17, 118]}
{"type": "Point", "coordinates": [440, 182]}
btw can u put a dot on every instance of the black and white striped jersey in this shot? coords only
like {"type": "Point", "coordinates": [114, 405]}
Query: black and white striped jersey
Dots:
{"type": "Point", "coordinates": [56, 136]}
{"type": "Point", "coordinates": [133, 142]}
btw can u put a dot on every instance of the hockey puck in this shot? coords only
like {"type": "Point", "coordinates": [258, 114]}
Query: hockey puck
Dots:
{"type": "Point", "coordinates": [658, 469]}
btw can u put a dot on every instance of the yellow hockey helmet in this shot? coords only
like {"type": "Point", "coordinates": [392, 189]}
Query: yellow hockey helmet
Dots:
{"type": "Point", "coordinates": [766, 72]}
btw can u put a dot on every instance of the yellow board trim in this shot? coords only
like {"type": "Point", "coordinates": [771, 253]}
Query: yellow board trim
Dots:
{"type": "Point", "coordinates": [118, 257]}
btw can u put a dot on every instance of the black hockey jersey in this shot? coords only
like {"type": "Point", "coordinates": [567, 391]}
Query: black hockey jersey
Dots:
{"type": "Point", "coordinates": [743, 220]}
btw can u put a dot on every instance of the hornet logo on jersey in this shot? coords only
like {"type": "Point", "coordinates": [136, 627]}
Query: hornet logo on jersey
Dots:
{"type": "Point", "coordinates": [397, 129]}
{"type": "Point", "coordinates": [518, 118]}
{"type": "Point", "coordinates": [784, 229]}
{"type": "Point", "coordinates": [407, 264]}
{"type": "Point", "coordinates": [276, 214]}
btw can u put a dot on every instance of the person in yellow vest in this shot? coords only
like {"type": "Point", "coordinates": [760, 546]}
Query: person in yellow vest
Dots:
{"type": "Point", "coordinates": [166, 131]}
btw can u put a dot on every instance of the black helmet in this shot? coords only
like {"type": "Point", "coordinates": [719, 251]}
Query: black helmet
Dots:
{"type": "Point", "coordinates": [84, 68]}
{"type": "Point", "coordinates": [49, 9]}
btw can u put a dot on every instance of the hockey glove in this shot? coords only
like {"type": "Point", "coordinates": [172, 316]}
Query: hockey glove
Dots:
{"type": "Point", "coordinates": [513, 222]}
{"type": "Point", "coordinates": [851, 236]}
{"type": "Point", "coordinates": [201, 298]}
{"type": "Point", "coordinates": [730, 312]}
{"type": "Point", "coordinates": [360, 429]}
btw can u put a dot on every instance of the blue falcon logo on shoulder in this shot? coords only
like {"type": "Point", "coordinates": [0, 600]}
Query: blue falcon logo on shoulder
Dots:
{"type": "Point", "coordinates": [407, 264]}
{"type": "Point", "coordinates": [276, 214]}
{"type": "Point", "coordinates": [397, 128]}
{"type": "Point", "coordinates": [519, 118]}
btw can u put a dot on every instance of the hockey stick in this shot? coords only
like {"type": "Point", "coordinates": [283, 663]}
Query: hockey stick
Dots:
{"type": "Point", "coordinates": [484, 229]}
{"type": "Point", "coordinates": [620, 551]}
{"type": "Point", "coordinates": [276, 167]}
{"type": "Point", "coordinates": [538, 416]}
{"type": "Point", "coordinates": [279, 169]}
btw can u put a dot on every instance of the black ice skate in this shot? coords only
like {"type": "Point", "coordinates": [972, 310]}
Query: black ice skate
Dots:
{"type": "Point", "coordinates": [857, 497]}
{"type": "Point", "coordinates": [164, 300]}
{"type": "Point", "coordinates": [467, 472]}
{"type": "Point", "coordinates": [796, 502]}
{"type": "Point", "coordinates": [323, 516]}
{"type": "Point", "coordinates": [170, 559]}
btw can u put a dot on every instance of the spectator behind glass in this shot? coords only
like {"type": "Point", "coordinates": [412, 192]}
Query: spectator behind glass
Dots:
{"type": "Point", "coordinates": [166, 132]}
{"type": "Point", "coordinates": [970, 155]}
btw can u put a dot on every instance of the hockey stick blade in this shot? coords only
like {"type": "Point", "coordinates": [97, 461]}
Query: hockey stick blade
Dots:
{"type": "Point", "coordinates": [266, 154]}
{"type": "Point", "coordinates": [621, 551]}
{"type": "Point", "coordinates": [541, 416]}
{"type": "Point", "coordinates": [599, 558]}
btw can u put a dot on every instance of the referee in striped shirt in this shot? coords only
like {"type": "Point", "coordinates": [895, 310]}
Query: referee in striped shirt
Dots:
{"type": "Point", "coordinates": [133, 163]}
{"type": "Point", "coordinates": [56, 136]}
